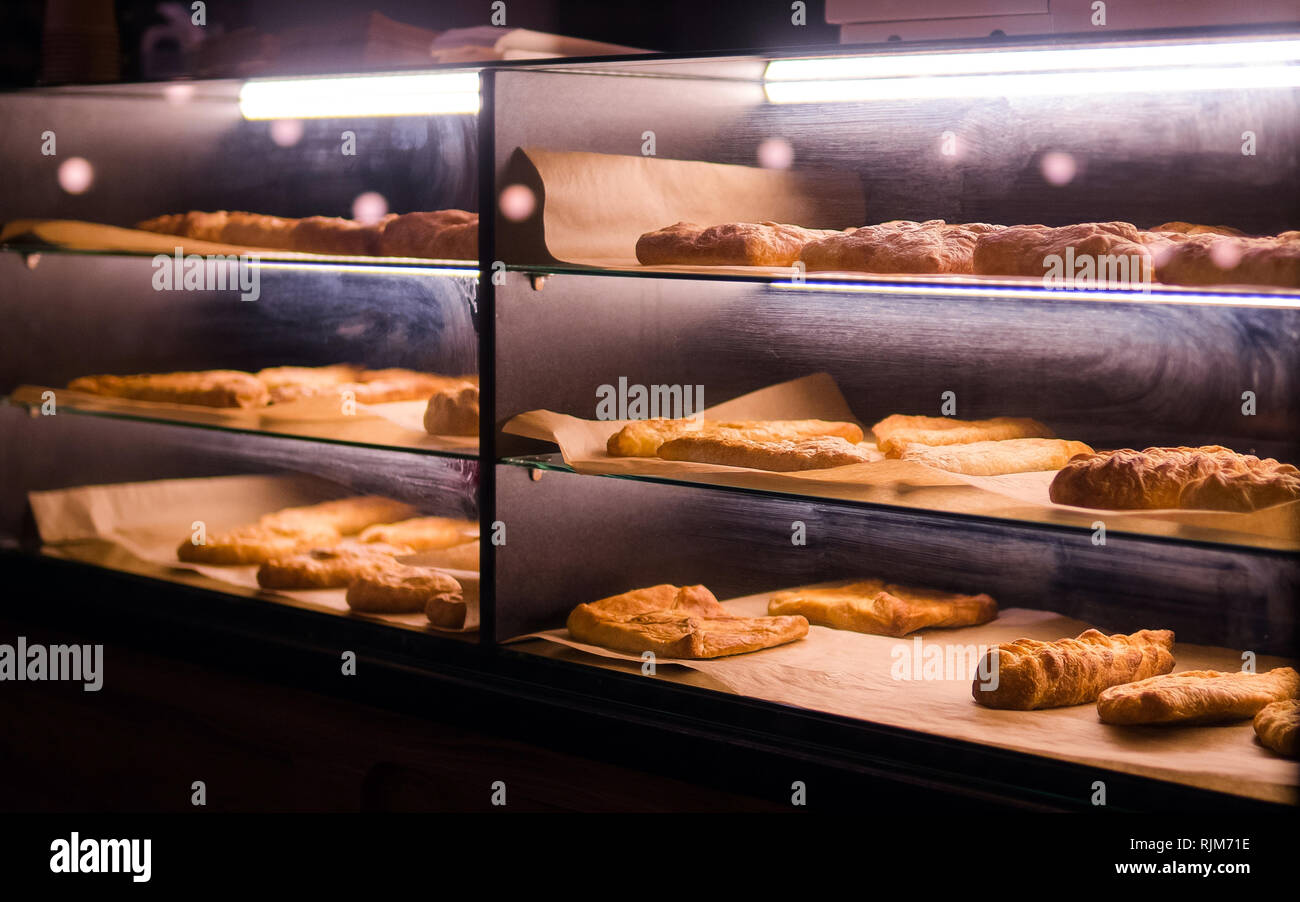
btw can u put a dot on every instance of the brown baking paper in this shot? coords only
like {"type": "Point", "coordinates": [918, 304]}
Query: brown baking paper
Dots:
{"type": "Point", "coordinates": [149, 520]}
{"type": "Point", "coordinates": [75, 235]}
{"type": "Point", "coordinates": [1019, 496]}
{"type": "Point", "coordinates": [597, 205]}
{"type": "Point", "coordinates": [850, 674]}
{"type": "Point", "coordinates": [394, 424]}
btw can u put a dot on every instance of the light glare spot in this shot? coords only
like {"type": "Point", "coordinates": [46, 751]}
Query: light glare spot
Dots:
{"type": "Point", "coordinates": [76, 175]}
{"type": "Point", "coordinates": [286, 132]}
{"type": "Point", "coordinates": [1058, 168]}
{"type": "Point", "coordinates": [775, 153]}
{"type": "Point", "coordinates": [369, 207]}
{"type": "Point", "coordinates": [517, 203]}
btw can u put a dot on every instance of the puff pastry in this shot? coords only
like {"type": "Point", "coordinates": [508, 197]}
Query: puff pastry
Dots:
{"type": "Point", "coordinates": [464, 556]}
{"type": "Point", "coordinates": [1277, 726]}
{"type": "Point", "coordinates": [401, 590]}
{"type": "Point", "coordinates": [896, 432]}
{"type": "Point", "coordinates": [1196, 696]}
{"type": "Point", "coordinates": [1023, 250]}
{"type": "Point", "coordinates": [1016, 455]}
{"type": "Point", "coordinates": [326, 568]}
{"type": "Point", "coordinates": [346, 516]}
{"type": "Point", "coordinates": [885, 609]}
{"type": "Point", "coordinates": [423, 533]}
{"type": "Point", "coordinates": [642, 438]}
{"type": "Point", "coordinates": [678, 622]}
{"type": "Point", "coordinates": [205, 388]}
{"type": "Point", "coordinates": [730, 244]}
{"type": "Point", "coordinates": [1028, 674]}
{"type": "Point", "coordinates": [1191, 228]}
{"type": "Point", "coordinates": [781, 457]}
{"type": "Point", "coordinates": [1207, 478]}
{"type": "Point", "coordinates": [256, 544]}
{"type": "Point", "coordinates": [900, 246]}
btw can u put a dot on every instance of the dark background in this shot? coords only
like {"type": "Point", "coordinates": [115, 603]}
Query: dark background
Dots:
{"type": "Point", "coordinates": [664, 25]}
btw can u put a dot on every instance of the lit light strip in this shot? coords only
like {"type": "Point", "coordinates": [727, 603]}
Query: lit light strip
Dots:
{"type": "Point", "coordinates": [1009, 61]}
{"type": "Point", "coordinates": [424, 94]}
{"type": "Point", "coordinates": [1091, 70]}
{"type": "Point", "coordinates": [371, 268]}
{"type": "Point", "coordinates": [1039, 294]}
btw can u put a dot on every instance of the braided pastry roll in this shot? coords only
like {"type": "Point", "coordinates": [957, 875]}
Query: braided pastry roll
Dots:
{"type": "Point", "coordinates": [1028, 674]}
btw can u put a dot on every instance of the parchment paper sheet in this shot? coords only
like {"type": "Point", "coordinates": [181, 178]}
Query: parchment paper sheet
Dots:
{"type": "Point", "coordinates": [149, 520]}
{"type": "Point", "coordinates": [847, 673]}
{"type": "Point", "coordinates": [1021, 496]}
{"type": "Point", "coordinates": [394, 424]}
{"type": "Point", "coordinates": [597, 205]}
{"type": "Point", "coordinates": [72, 234]}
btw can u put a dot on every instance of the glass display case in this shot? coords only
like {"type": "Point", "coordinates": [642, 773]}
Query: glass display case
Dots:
{"type": "Point", "coordinates": [598, 167]}
{"type": "Point", "coordinates": [167, 388]}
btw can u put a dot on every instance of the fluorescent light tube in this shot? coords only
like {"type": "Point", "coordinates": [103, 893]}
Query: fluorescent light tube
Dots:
{"type": "Point", "coordinates": [1089, 70]}
{"type": "Point", "coordinates": [422, 94]}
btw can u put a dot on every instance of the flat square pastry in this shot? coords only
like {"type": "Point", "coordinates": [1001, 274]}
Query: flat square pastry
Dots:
{"type": "Point", "coordinates": [729, 244]}
{"type": "Point", "coordinates": [1015, 455]}
{"type": "Point", "coordinates": [642, 438]}
{"type": "Point", "coordinates": [900, 246]}
{"type": "Point", "coordinates": [884, 609]}
{"type": "Point", "coordinates": [1028, 674]}
{"type": "Point", "coordinates": [678, 622]}
{"type": "Point", "coordinates": [895, 433]}
{"type": "Point", "coordinates": [776, 456]}
{"type": "Point", "coordinates": [1197, 696]}
{"type": "Point", "coordinates": [1207, 478]}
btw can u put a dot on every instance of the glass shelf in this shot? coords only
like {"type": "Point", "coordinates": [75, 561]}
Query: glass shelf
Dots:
{"type": "Point", "coordinates": [969, 503]}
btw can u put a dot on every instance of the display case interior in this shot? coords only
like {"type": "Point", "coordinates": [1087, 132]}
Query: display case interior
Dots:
{"type": "Point", "coordinates": [886, 547]}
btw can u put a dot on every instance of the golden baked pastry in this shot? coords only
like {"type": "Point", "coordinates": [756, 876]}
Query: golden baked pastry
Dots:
{"type": "Point", "coordinates": [346, 516]}
{"type": "Point", "coordinates": [326, 568]}
{"type": "Point", "coordinates": [898, 431]}
{"type": "Point", "coordinates": [1277, 726]}
{"type": "Point", "coordinates": [1023, 250]}
{"type": "Point", "coordinates": [1028, 674]}
{"type": "Point", "coordinates": [874, 606]}
{"type": "Point", "coordinates": [1191, 228]}
{"type": "Point", "coordinates": [1196, 696]}
{"type": "Point", "coordinates": [257, 230]}
{"type": "Point", "coordinates": [729, 244]}
{"type": "Point", "coordinates": [206, 388]}
{"type": "Point", "coordinates": [449, 611]}
{"type": "Point", "coordinates": [278, 377]}
{"type": "Point", "coordinates": [256, 544]}
{"type": "Point", "coordinates": [1016, 455]}
{"type": "Point", "coordinates": [203, 226]}
{"type": "Point", "coordinates": [168, 224]}
{"type": "Point", "coordinates": [453, 410]}
{"type": "Point", "coordinates": [642, 438]}
{"type": "Point", "coordinates": [423, 533]}
{"type": "Point", "coordinates": [1206, 478]}
{"type": "Point", "coordinates": [778, 456]}
{"type": "Point", "coordinates": [332, 235]}
{"type": "Point", "coordinates": [678, 622]}
{"type": "Point", "coordinates": [400, 589]}
{"type": "Point", "coordinates": [900, 246]}
{"type": "Point", "coordinates": [464, 556]}
{"type": "Point", "coordinates": [440, 234]}
{"type": "Point", "coordinates": [1211, 259]}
